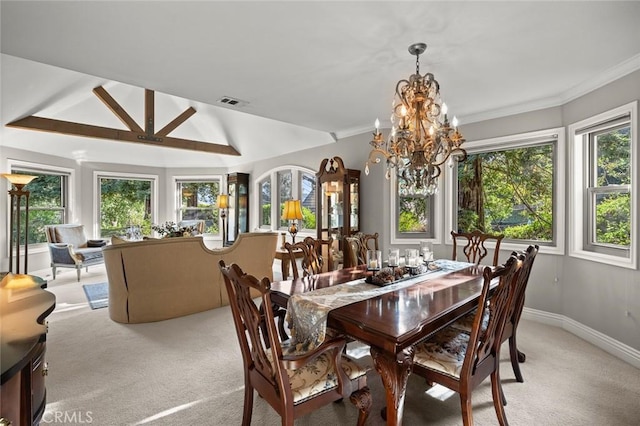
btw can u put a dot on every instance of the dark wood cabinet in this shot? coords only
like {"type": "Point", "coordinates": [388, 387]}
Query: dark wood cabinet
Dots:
{"type": "Point", "coordinates": [338, 200]}
{"type": "Point", "coordinates": [238, 211]}
{"type": "Point", "coordinates": [23, 346]}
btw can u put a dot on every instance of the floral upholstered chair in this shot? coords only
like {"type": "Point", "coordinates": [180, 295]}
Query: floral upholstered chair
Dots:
{"type": "Point", "coordinates": [293, 383]}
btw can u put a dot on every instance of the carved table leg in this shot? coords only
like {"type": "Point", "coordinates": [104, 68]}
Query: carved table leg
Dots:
{"type": "Point", "coordinates": [394, 371]}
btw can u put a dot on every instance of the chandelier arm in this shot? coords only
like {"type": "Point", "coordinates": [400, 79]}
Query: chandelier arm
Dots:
{"type": "Point", "coordinates": [378, 154]}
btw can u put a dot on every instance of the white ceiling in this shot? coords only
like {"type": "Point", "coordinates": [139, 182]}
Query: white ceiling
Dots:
{"type": "Point", "coordinates": [310, 71]}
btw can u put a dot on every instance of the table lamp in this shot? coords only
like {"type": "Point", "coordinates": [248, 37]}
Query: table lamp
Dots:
{"type": "Point", "coordinates": [223, 204]}
{"type": "Point", "coordinates": [16, 194]}
{"type": "Point", "coordinates": [292, 211]}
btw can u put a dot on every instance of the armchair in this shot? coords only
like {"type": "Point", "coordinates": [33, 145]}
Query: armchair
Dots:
{"type": "Point", "coordinates": [69, 248]}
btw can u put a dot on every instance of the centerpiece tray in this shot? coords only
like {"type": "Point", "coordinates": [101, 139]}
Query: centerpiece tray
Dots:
{"type": "Point", "coordinates": [389, 275]}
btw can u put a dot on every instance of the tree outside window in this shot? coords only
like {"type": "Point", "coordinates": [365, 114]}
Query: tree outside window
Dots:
{"type": "Point", "coordinates": [197, 201]}
{"type": "Point", "coordinates": [264, 188]}
{"type": "Point", "coordinates": [47, 202]}
{"type": "Point", "coordinates": [124, 203]}
{"type": "Point", "coordinates": [609, 192]}
{"type": "Point", "coordinates": [508, 192]}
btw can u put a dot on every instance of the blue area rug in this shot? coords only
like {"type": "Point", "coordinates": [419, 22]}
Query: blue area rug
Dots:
{"type": "Point", "coordinates": [97, 295]}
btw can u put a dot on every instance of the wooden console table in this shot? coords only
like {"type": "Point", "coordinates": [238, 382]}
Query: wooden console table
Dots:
{"type": "Point", "coordinates": [23, 309]}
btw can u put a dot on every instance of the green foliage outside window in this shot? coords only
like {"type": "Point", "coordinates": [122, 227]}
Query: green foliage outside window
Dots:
{"type": "Point", "coordinates": [508, 192]}
{"type": "Point", "coordinates": [124, 203]}
{"type": "Point", "coordinates": [308, 218]}
{"type": "Point", "coordinates": [613, 210]}
{"type": "Point", "coordinates": [46, 204]}
{"type": "Point", "coordinates": [413, 214]}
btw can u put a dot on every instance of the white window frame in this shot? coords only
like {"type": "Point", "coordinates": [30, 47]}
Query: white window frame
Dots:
{"type": "Point", "coordinates": [296, 190]}
{"type": "Point", "coordinates": [518, 141]}
{"type": "Point", "coordinates": [578, 172]}
{"type": "Point", "coordinates": [44, 168]}
{"type": "Point", "coordinates": [116, 175]}
{"type": "Point", "coordinates": [437, 215]}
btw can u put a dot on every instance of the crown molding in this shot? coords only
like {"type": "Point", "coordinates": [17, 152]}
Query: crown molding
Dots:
{"type": "Point", "coordinates": [612, 74]}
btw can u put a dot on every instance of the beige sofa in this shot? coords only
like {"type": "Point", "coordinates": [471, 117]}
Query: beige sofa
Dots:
{"type": "Point", "coordinates": [154, 280]}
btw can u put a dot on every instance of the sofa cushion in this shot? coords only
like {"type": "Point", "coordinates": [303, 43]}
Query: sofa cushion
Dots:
{"type": "Point", "coordinates": [73, 235]}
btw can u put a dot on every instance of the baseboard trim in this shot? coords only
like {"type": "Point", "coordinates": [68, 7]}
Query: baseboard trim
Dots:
{"type": "Point", "coordinates": [604, 342]}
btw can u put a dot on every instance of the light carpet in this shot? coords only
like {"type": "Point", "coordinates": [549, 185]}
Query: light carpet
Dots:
{"type": "Point", "coordinates": [188, 371]}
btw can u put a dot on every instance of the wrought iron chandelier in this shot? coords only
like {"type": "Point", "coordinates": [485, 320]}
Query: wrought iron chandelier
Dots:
{"type": "Point", "coordinates": [421, 138]}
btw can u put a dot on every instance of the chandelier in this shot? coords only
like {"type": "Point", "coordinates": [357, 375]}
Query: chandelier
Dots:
{"type": "Point", "coordinates": [421, 138]}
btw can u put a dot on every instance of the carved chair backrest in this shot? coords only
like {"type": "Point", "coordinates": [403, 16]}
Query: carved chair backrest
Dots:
{"type": "Point", "coordinates": [366, 241]}
{"type": "Point", "coordinates": [517, 303]}
{"type": "Point", "coordinates": [256, 329]}
{"type": "Point", "coordinates": [474, 248]}
{"type": "Point", "coordinates": [352, 252]}
{"type": "Point", "coordinates": [313, 261]}
{"type": "Point", "coordinates": [485, 341]}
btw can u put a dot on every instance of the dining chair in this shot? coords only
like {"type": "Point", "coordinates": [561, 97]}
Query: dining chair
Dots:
{"type": "Point", "coordinates": [352, 252]}
{"type": "Point", "coordinates": [514, 312]}
{"type": "Point", "coordinates": [294, 384]}
{"type": "Point", "coordinates": [461, 361]}
{"type": "Point", "coordinates": [313, 261]}
{"type": "Point", "coordinates": [474, 245]}
{"type": "Point", "coordinates": [366, 240]}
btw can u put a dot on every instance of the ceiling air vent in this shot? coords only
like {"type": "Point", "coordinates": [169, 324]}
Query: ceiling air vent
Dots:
{"type": "Point", "coordinates": [229, 101]}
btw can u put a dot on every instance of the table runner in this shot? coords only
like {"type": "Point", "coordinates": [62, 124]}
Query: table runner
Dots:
{"type": "Point", "coordinates": [307, 312]}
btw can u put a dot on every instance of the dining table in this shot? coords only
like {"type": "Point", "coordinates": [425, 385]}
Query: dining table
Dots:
{"type": "Point", "coordinates": [394, 319]}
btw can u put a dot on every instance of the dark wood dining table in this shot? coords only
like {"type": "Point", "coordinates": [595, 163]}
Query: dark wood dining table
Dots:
{"type": "Point", "coordinates": [394, 322]}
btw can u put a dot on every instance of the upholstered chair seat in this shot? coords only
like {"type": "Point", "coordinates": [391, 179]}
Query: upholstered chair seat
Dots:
{"type": "Point", "coordinates": [466, 322]}
{"type": "Point", "coordinates": [318, 376]}
{"type": "Point", "coordinates": [443, 352]}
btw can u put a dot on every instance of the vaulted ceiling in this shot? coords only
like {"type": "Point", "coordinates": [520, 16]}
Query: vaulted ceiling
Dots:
{"type": "Point", "coordinates": [306, 73]}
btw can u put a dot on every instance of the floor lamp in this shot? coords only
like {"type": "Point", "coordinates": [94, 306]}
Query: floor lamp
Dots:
{"type": "Point", "coordinates": [16, 193]}
{"type": "Point", "coordinates": [223, 204]}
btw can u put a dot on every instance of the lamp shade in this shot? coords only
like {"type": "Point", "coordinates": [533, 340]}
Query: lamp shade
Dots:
{"type": "Point", "coordinates": [292, 210]}
{"type": "Point", "coordinates": [223, 201]}
{"type": "Point", "coordinates": [18, 180]}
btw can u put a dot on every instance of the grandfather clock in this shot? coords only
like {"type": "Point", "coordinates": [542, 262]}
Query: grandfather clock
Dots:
{"type": "Point", "coordinates": [238, 211]}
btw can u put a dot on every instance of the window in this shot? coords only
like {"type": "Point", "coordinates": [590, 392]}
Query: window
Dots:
{"type": "Point", "coordinates": [414, 214]}
{"type": "Point", "coordinates": [510, 186]}
{"type": "Point", "coordinates": [48, 199]}
{"type": "Point", "coordinates": [196, 200]}
{"type": "Point", "coordinates": [308, 200]}
{"type": "Point", "coordinates": [289, 183]}
{"type": "Point", "coordinates": [284, 192]}
{"type": "Point", "coordinates": [264, 212]}
{"type": "Point", "coordinates": [603, 179]}
{"type": "Point", "coordinates": [125, 204]}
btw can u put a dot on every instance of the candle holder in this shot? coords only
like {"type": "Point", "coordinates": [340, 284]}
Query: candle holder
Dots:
{"type": "Point", "coordinates": [374, 260]}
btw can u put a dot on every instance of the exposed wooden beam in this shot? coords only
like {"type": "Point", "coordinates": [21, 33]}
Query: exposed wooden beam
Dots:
{"type": "Point", "coordinates": [114, 106]}
{"type": "Point", "coordinates": [149, 111]}
{"type": "Point", "coordinates": [78, 129]}
{"type": "Point", "coordinates": [176, 122]}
